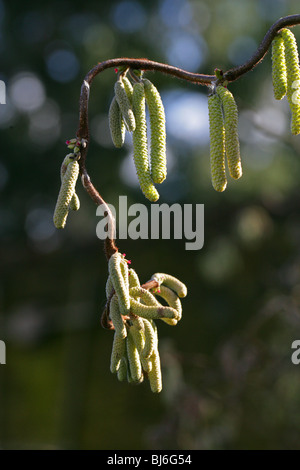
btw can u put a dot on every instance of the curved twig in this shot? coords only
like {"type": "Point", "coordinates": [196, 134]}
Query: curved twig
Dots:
{"type": "Point", "coordinates": [145, 64]}
{"type": "Point", "coordinates": [262, 49]}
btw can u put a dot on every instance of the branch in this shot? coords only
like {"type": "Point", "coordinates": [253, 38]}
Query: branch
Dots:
{"type": "Point", "coordinates": [145, 64]}
{"type": "Point", "coordinates": [262, 49]}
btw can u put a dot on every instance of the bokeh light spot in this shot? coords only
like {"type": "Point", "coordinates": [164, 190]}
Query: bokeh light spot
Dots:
{"type": "Point", "coordinates": [186, 116]}
{"type": "Point", "coordinates": [62, 65]}
{"type": "Point", "coordinates": [27, 92]}
{"type": "Point", "coordinates": [129, 16]}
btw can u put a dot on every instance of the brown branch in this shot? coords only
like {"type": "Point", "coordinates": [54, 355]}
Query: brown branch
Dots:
{"type": "Point", "coordinates": [150, 285]}
{"type": "Point", "coordinates": [109, 245]}
{"type": "Point", "coordinates": [145, 64]}
{"type": "Point", "coordinates": [262, 49]}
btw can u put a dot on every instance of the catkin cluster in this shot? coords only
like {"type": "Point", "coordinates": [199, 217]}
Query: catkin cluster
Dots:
{"type": "Point", "coordinates": [132, 311]}
{"type": "Point", "coordinates": [67, 198]}
{"type": "Point", "coordinates": [128, 111]}
{"type": "Point", "coordinates": [286, 74]}
{"type": "Point", "coordinates": [224, 140]}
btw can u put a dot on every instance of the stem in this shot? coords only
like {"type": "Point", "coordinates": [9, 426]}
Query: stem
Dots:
{"type": "Point", "coordinates": [109, 244]}
{"type": "Point", "coordinates": [262, 49]}
{"type": "Point", "coordinates": [145, 64]}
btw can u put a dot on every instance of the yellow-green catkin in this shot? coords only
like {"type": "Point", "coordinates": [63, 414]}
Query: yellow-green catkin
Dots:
{"type": "Point", "coordinates": [65, 195]}
{"type": "Point", "coordinates": [122, 370]}
{"type": "Point", "coordinates": [146, 296]}
{"type": "Point", "coordinates": [133, 278]}
{"type": "Point", "coordinates": [150, 338]}
{"type": "Point", "coordinates": [140, 148]}
{"type": "Point", "coordinates": [116, 124]}
{"type": "Point", "coordinates": [158, 132]}
{"type": "Point", "coordinates": [125, 105]}
{"type": "Point", "coordinates": [75, 203]}
{"type": "Point", "coordinates": [128, 88]}
{"type": "Point", "coordinates": [217, 143]}
{"type": "Point", "coordinates": [124, 271]}
{"type": "Point", "coordinates": [152, 312]}
{"type": "Point", "coordinates": [135, 366]}
{"type": "Point", "coordinates": [232, 144]}
{"type": "Point", "coordinates": [171, 282]}
{"type": "Point", "coordinates": [116, 317]}
{"type": "Point", "coordinates": [154, 375]}
{"type": "Point", "coordinates": [118, 351]}
{"type": "Point", "coordinates": [137, 333]}
{"type": "Point", "coordinates": [170, 297]}
{"type": "Point", "coordinates": [109, 288]}
{"type": "Point", "coordinates": [279, 77]}
{"type": "Point", "coordinates": [293, 78]}
{"type": "Point", "coordinates": [116, 275]}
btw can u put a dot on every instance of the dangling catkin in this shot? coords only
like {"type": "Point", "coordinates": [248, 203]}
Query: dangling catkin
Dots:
{"type": "Point", "coordinates": [124, 105]}
{"type": "Point", "coordinates": [65, 195]}
{"type": "Point", "coordinates": [155, 374]}
{"type": "Point", "coordinates": [140, 150]}
{"type": "Point", "coordinates": [75, 203]}
{"type": "Point", "coordinates": [279, 68]}
{"type": "Point", "coordinates": [114, 267]}
{"type": "Point", "coordinates": [146, 296]}
{"type": "Point", "coordinates": [169, 296]}
{"type": "Point", "coordinates": [293, 75]}
{"type": "Point", "coordinates": [116, 124]}
{"type": "Point", "coordinates": [118, 351]}
{"type": "Point", "coordinates": [217, 143]}
{"type": "Point", "coordinates": [133, 359]}
{"type": "Point", "coordinates": [133, 278]}
{"type": "Point", "coordinates": [116, 317]}
{"type": "Point", "coordinates": [137, 333]}
{"type": "Point", "coordinates": [232, 145]}
{"type": "Point", "coordinates": [150, 338]}
{"type": "Point", "coordinates": [158, 132]}
{"type": "Point", "coordinates": [128, 88]}
{"type": "Point", "coordinates": [109, 288]}
{"type": "Point", "coordinates": [171, 282]}
{"type": "Point", "coordinates": [122, 370]}
{"type": "Point", "coordinates": [152, 312]}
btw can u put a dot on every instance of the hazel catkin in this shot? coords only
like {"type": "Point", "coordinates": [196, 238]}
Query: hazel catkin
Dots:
{"type": "Point", "coordinates": [279, 77]}
{"type": "Point", "coordinates": [232, 145]}
{"type": "Point", "coordinates": [140, 147]}
{"type": "Point", "coordinates": [74, 203]}
{"type": "Point", "coordinates": [154, 375]}
{"type": "Point", "coordinates": [65, 195]}
{"type": "Point", "coordinates": [114, 267]}
{"type": "Point", "coordinates": [116, 317]}
{"type": "Point", "coordinates": [171, 282]}
{"type": "Point", "coordinates": [135, 367]}
{"type": "Point", "coordinates": [118, 351]}
{"type": "Point", "coordinates": [158, 132]}
{"type": "Point", "coordinates": [116, 124]}
{"type": "Point", "coordinates": [124, 105]}
{"type": "Point", "coordinates": [293, 77]}
{"type": "Point", "coordinates": [217, 143]}
{"type": "Point", "coordinates": [122, 370]}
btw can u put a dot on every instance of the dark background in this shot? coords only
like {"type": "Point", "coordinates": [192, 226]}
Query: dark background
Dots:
{"type": "Point", "coordinates": [228, 379]}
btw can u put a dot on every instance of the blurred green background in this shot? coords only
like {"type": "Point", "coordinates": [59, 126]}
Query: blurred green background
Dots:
{"type": "Point", "coordinates": [228, 379]}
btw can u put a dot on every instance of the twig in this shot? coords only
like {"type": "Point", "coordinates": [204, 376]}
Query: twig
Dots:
{"type": "Point", "coordinates": [145, 64]}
